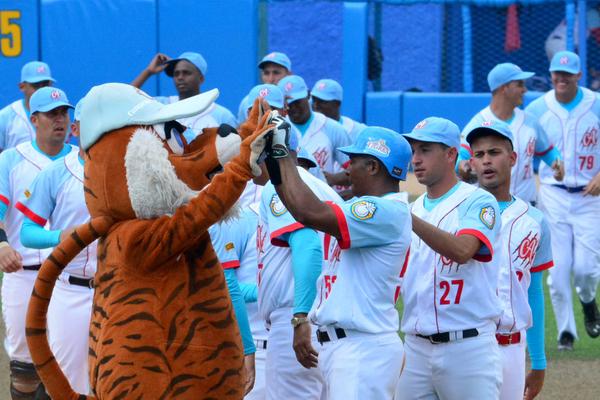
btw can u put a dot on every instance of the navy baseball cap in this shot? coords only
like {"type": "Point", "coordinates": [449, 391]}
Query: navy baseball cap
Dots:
{"type": "Point", "coordinates": [47, 99]}
{"type": "Point", "coordinates": [328, 90]}
{"type": "Point", "coordinates": [271, 93]}
{"type": "Point", "coordinates": [505, 73]}
{"type": "Point", "coordinates": [496, 127]}
{"type": "Point", "coordinates": [36, 71]}
{"type": "Point", "coordinates": [387, 146]}
{"type": "Point", "coordinates": [565, 61]}
{"type": "Point", "coordinates": [278, 58]}
{"type": "Point", "coordinates": [436, 130]}
{"type": "Point", "coordinates": [293, 87]}
{"type": "Point", "coordinates": [194, 58]}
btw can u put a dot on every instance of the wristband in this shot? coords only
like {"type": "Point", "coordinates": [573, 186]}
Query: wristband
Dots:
{"type": "Point", "coordinates": [3, 237]}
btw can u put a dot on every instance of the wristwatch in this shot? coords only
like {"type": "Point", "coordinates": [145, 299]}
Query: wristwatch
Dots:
{"type": "Point", "coordinates": [299, 321]}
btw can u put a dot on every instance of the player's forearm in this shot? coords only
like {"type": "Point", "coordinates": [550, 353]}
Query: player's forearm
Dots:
{"type": "Point", "coordinates": [307, 258]}
{"type": "Point", "coordinates": [239, 307]}
{"type": "Point", "coordinates": [139, 80]}
{"type": "Point", "coordinates": [535, 334]}
{"type": "Point", "coordinates": [550, 156]}
{"type": "Point", "coordinates": [35, 236]}
{"type": "Point", "coordinates": [457, 248]}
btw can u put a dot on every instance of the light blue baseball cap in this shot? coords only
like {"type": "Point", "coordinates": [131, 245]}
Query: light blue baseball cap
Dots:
{"type": "Point", "coordinates": [436, 130]}
{"type": "Point", "coordinates": [293, 87]}
{"type": "Point", "coordinates": [271, 93]}
{"type": "Point", "coordinates": [328, 90]}
{"type": "Point", "coordinates": [278, 58]}
{"type": "Point", "coordinates": [505, 73]}
{"type": "Point", "coordinates": [77, 112]}
{"type": "Point", "coordinates": [294, 139]}
{"type": "Point", "coordinates": [47, 99]}
{"type": "Point", "coordinates": [565, 61]}
{"type": "Point", "coordinates": [387, 146]}
{"type": "Point", "coordinates": [305, 155]}
{"type": "Point", "coordinates": [496, 127]}
{"type": "Point", "coordinates": [36, 71]}
{"type": "Point", "coordinates": [194, 58]}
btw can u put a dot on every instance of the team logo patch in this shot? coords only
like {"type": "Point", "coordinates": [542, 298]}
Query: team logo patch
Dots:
{"type": "Point", "coordinates": [277, 207]}
{"type": "Point", "coordinates": [271, 55]}
{"type": "Point", "coordinates": [527, 249]}
{"type": "Point", "coordinates": [263, 92]}
{"type": "Point", "coordinates": [321, 86]}
{"type": "Point", "coordinates": [379, 146]}
{"type": "Point", "coordinates": [41, 69]}
{"type": "Point", "coordinates": [229, 246]}
{"type": "Point", "coordinates": [27, 193]}
{"type": "Point", "coordinates": [486, 123]}
{"type": "Point", "coordinates": [55, 94]}
{"type": "Point", "coordinates": [421, 124]}
{"type": "Point", "coordinates": [397, 171]}
{"type": "Point", "coordinates": [487, 215]}
{"type": "Point", "coordinates": [564, 60]}
{"type": "Point", "coordinates": [590, 137]}
{"type": "Point", "coordinates": [288, 86]}
{"type": "Point", "coordinates": [363, 210]}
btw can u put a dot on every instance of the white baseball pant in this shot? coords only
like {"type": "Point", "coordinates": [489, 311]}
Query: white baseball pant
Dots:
{"type": "Point", "coordinates": [69, 316]}
{"type": "Point", "coordinates": [362, 365]}
{"type": "Point", "coordinates": [286, 378]}
{"type": "Point", "coordinates": [513, 369]}
{"type": "Point", "coordinates": [467, 369]}
{"type": "Point", "coordinates": [16, 292]}
{"type": "Point", "coordinates": [260, 358]}
{"type": "Point", "coordinates": [574, 221]}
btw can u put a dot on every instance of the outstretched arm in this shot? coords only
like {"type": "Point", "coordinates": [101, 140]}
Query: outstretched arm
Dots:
{"type": "Point", "coordinates": [157, 65]}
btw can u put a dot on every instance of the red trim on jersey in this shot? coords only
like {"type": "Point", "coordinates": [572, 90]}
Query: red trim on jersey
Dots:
{"type": "Point", "coordinates": [403, 270]}
{"type": "Point", "coordinates": [230, 264]}
{"type": "Point", "coordinates": [275, 241]}
{"type": "Point", "coordinates": [468, 148]}
{"type": "Point", "coordinates": [543, 267]}
{"type": "Point", "coordinates": [344, 241]}
{"type": "Point", "coordinates": [326, 243]}
{"type": "Point", "coordinates": [5, 200]}
{"type": "Point", "coordinates": [30, 214]}
{"type": "Point", "coordinates": [346, 164]}
{"type": "Point", "coordinates": [541, 153]}
{"type": "Point", "coordinates": [483, 239]}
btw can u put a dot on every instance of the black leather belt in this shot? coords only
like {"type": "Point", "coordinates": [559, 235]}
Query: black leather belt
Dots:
{"type": "Point", "coordinates": [571, 189]}
{"type": "Point", "coordinates": [323, 336]}
{"type": "Point", "coordinates": [32, 267]}
{"type": "Point", "coordinates": [260, 344]}
{"type": "Point", "coordinates": [85, 282]}
{"type": "Point", "coordinates": [445, 337]}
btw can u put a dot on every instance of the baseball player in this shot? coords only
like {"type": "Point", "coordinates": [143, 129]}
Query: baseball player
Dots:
{"type": "Point", "coordinates": [366, 245]}
{"type": "Point", "coordinates": [507, 84]}
{"type": "Point", "coordinates": [449, 288]}
{"type": "Point", "coordinates": [321, 136]}
{"type": "Point", "coordinates": [273, 67]}
{"type": "Point", "coordinates": [570, 116]}
{"type": "Point", "coordinates": [57, 200]}
{"type": "Point", "coordinates": [290, 258]}
{"type": "Point", "coordinates": [525, 253]}
{"type": "Point", "coordinates": [15, 126]}
{"type": "Point", "coordinates": [188, 72]}
{"type": "Point", "coordinates": [18, 168]}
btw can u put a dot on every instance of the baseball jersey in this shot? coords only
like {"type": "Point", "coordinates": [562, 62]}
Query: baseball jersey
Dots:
{"type": "Point", "coordinates": [18, 168]}
{"type": "Point", "coordinates": [213, 116]}
{"type": "Point", "coordinates": [352, 127]}
{"type": "Point", "coordinates": [361, 275]}
{"type": "Point", "coordinates": [235, 244]}
{"type": "Point", "coordinates": [525, 238]}
{"type": "Point", "coordinates": [275, 273]}
{"type": "Point", "coordinates": [529, 139]}
{"type": "Point", "coordinates": [57, 198]}
{"type": "Point", "coordinates": [15, 126]}
{"type": "Point", "coordinates": [439, 294]}
{"type": "Point", "coordinates": [574, 133]}
{"type": "Point", "coordinates": [322, 138]}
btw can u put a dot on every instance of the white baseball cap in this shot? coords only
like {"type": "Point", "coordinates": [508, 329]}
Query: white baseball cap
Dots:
{"type": "Point", "coordinates": [114, 105]}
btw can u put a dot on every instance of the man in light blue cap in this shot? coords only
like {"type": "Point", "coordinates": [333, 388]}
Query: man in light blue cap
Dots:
{"type": "Point", "coordinates": [453, 264]}
{"type": "Point", "coordinates": [570, 117]}
{"type": "Point", "coordinates": [321, 136]}
{"type": "Point", "coordinates": [19, 166]}
{"type": "Point", "coordinates": [327, 96]}
{"type": "Point", "coordinates": [507, 84]}
{"type": "Point", "coordinates": [15, 126]}
{"type": "Point", "coordinates": [366, 243]}
{"type": "Point", "coordinates": [188, 72]}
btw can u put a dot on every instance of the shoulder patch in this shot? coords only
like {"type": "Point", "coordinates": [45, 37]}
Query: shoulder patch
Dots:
{"type": "Point", "coordinates": [363, 210]}
{"type": "Point", "coordinates": [276, 206]}
{"type": "Point", "coordinates": [229, 246]}
{"type": "Point", "coordinates": [27, 193]}
{"type": "Point", "coordinates": [487, 215]}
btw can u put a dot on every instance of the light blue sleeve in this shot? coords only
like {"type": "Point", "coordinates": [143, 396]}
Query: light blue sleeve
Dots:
{"type": "Point", "coordinates": [280, 220]}
{"type": "Point", "coordinates": [307, 260]}
{"type": "Point", "coordinates": [34, 236]}
{"type": "Point", "coordinates": [225, 116]}
{"type": "Point", "coordinates": [542, 143]}
{"type": "Point", "coordinates": [339, 138]}
{"type": "Point", "coordinates": [537, 108]}
{"type": "Point", "coordinates": [224, 245]}
{"type": "Point", "coordinates": [549, 157]}
{"type": "Point", "coordinates": [370, 221]}
{"type": "Point", "coordinates": [543, 256]}
{"type": "Point", "coordinates": [8, 160]}
{"type": "Point", "coordinates": [239, 307]}
{"type": "Point", "coordinates": [7, 115]}
{"type": "Point", "coordinates": [479, 217]}
{"type": "Point", "coordinates": [535, 334]}
{"type": "Point", "coordinates": [163, 99]}
{"type": "Point", "coordinates": [43, 192]}
{"type": "Point", "coordinates": [249, 291]}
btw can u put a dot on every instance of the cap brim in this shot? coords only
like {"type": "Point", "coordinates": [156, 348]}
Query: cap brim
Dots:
{"type": "Point", "coordinates": [297, 96]}
{"type": "Point", "coordinates": [564, 69]}
{"type": "Point", "coordinates": [425, 138]}
{"type": "Point", "coordinates": [52, 106]}
{"type": "Point", "coordinates": [323, 96]}
{"type": "Point", "coordinates": [352, 150]}
{"type": "Point", "coordinates": [311, 163]}
{"type": "Point", "coordinates": [484, 129]}
{"type": "Point", "coordinates": [181, 109]}
{"type": "Point", "coordinates": [263, 62]}
{"type": "Point", "coordinates": [171, 66]}
{"type": "Point", "coordinates": [524, 75]}
{"type": "Point", "coordinates": [40, 79]}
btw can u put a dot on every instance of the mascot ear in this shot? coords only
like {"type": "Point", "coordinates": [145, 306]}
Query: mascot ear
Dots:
{"type": "Point", "coordinates": [259, 108]}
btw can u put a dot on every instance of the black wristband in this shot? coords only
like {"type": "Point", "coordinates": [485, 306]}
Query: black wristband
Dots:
{"type": "Point", "coordinates": [274, 171]}
{"type": "Point", "coordinates": [3, 237]}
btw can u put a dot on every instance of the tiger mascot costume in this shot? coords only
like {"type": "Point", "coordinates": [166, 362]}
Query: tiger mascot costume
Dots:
{"type": "Point", "coordinates": [162, 323]}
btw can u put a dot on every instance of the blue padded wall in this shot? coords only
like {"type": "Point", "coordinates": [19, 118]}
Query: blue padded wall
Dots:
{"type": "Point", "coordinates": [384, 109]}
{"type": "Point", "coordinates": [87, 43]}
{"type": "Point", "coordinates": [355, 59]}
{"type": "Point", "coordinates": [225, 32]}
{"type": "Point", "coordinates": [13, 56]}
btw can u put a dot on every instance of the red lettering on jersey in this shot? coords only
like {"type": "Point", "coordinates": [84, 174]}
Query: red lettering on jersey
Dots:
{"type": "Point", "coordinates": [321, 157]}
{"type": "Point", "coordinates": [261, 235]}
{"type": "Point", "coordinates": [530, 150]}
{"type": "Point", "coordinates": [590, 137]}
{"type": "Point", "coordinates": [446, 262]}
{"type": "Point", "coordinates": [329, 281]}
{"type": "Point", "coordinates": [527, 249]}
{"type": "Point", "coordinates": [519, 275]}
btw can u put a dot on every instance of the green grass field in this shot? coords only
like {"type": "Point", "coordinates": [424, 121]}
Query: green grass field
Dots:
{"type": "Point", "coordinates": [586, 348]}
